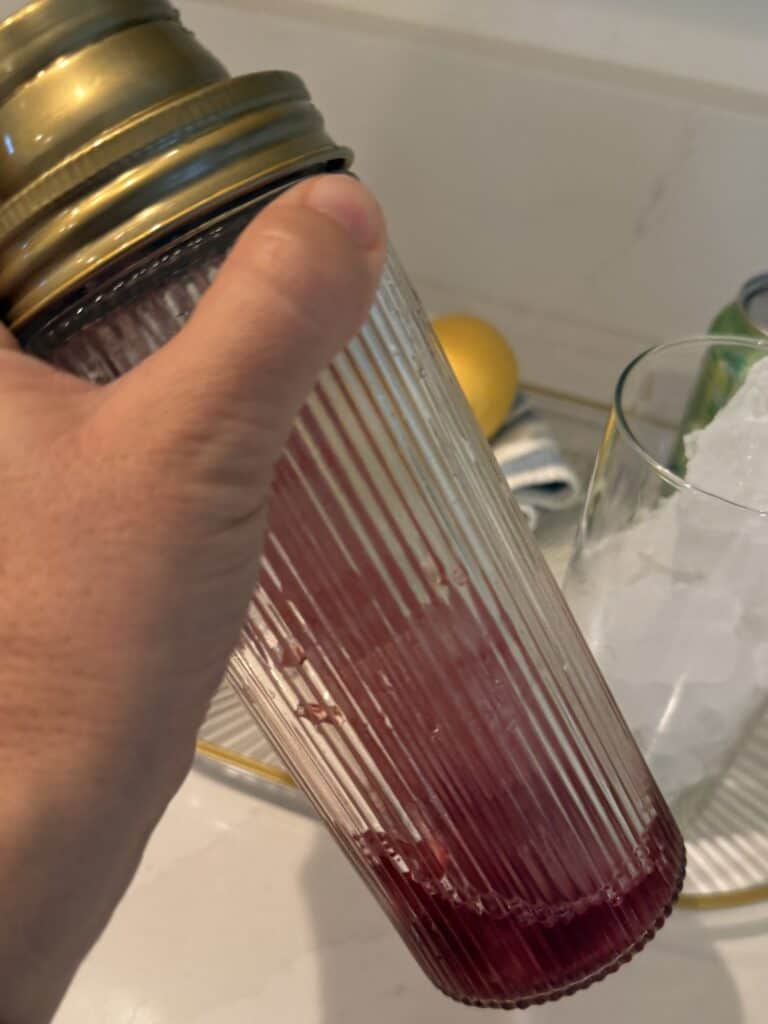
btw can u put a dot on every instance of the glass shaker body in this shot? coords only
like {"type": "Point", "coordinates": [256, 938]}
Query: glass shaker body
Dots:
{"type": "Point", "coordinates": [413, 661]}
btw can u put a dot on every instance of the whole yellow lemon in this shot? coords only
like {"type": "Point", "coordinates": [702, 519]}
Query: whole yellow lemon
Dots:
{"type": "Point", "coordinates": [484, 364]}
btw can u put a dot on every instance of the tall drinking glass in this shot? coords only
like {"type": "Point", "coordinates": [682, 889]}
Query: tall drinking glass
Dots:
{"type": "Point", "coordinates": [668, 577]}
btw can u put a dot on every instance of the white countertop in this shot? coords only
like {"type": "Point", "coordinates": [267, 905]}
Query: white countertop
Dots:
{"type": "Point", "coordinates": [244, 912]}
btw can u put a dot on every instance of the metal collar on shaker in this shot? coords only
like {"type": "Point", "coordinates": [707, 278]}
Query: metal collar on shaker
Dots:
{"type": "Point", "coordinates": [116, 125]}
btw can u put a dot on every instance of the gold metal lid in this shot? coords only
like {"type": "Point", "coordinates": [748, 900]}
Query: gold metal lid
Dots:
{"type": "Point", "coordinates": [116, 126]}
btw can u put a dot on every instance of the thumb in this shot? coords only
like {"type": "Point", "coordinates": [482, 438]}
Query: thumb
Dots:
{"type": "Point", "coordinates": [295, 288]}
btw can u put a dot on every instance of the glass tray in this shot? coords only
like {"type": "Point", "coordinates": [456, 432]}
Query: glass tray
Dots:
{"type": "Point", "coordinates": [727, 846]}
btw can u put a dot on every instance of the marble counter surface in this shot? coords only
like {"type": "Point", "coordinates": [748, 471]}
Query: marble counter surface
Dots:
{"type": "Point", "coordinates": [243, 912]}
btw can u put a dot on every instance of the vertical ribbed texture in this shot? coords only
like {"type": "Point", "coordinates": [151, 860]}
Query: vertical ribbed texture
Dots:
{"type": "Point", "coordinates": [412, 659]}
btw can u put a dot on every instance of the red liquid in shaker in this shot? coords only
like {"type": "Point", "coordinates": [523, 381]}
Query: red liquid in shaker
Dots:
{"type": "Point", "coordinates": [489, 956]}
{"type": "Point", "coordinates": [504, 860]}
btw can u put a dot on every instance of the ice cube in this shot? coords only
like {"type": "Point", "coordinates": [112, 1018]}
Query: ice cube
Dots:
{"type": "Point", "coordinates": [675, 606]}
{"type": "Point", "coordinates": [729, 457]}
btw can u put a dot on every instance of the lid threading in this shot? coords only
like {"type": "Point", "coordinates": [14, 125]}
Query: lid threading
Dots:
{"type": "Point", "coordinates": [117, 126]}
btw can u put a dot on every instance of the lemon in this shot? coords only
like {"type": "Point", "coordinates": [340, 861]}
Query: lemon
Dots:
{"type": "Point", "coordinates": [484, 364]}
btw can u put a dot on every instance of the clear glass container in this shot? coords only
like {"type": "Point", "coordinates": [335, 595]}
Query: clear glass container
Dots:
{"type": "Point", "coordinates": [414, 663]}
{"type": "Point", "coordinates": [667, 578]}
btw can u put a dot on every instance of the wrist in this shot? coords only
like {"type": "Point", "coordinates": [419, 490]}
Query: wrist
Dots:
{"type": "Point", "coordinates": [76, 819]}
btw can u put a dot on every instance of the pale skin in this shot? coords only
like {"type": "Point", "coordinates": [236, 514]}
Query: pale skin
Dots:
{"type": "Point", "coordinates": [132, 523]}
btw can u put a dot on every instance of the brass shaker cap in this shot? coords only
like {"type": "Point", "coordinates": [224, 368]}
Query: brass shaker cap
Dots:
{"type": "Point", "coordinates": [117, 126]}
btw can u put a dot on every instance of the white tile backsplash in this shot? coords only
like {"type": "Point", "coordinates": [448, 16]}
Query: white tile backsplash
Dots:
{"type": "Point", "coordinates": [704, 41]}
{"type": "Point", "coordinates": [588, 216]}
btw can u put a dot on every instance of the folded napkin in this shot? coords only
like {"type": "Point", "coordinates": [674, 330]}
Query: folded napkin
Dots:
{"type": "Point", "coordinates": [531, 460]}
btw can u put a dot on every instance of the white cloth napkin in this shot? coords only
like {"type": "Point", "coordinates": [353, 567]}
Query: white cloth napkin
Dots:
{"type": "Point", "coordinates": [530, 458]}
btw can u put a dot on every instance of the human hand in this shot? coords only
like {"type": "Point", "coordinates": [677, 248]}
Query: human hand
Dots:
{"type": "Point", "coordinates": [133, 517]}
